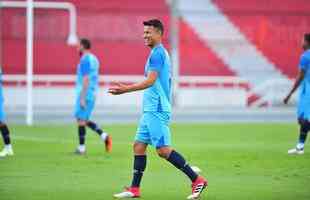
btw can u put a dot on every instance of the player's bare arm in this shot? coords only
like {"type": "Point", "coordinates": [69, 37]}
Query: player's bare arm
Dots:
{"type": "Point", "coordinates": [123, 88]}
{"type": "Point", "coordinates": [300, 77]}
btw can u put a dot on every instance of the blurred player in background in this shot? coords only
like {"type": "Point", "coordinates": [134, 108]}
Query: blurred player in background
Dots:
{"type": "Point", "coordinates": [87, 84]}
{"type": "Point", "coordinates": [8, 150]}
{"type": "Point", "coordinates": [303, 111]}
{"type": "Point", "coordinates": [154, 123]}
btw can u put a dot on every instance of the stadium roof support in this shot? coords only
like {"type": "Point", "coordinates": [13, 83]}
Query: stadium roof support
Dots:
{"type": "Point", "coordinates": [174, 41]}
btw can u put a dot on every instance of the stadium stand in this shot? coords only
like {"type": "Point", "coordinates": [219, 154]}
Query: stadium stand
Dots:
{"type": "Point", "coordinates": [118, 30]}
{"type": "Point", "coordinates": [275, 27]}
{"type": "Point", "coordinates": [114, 27]}
{"type": "Point", "coordinates": [255, 40]}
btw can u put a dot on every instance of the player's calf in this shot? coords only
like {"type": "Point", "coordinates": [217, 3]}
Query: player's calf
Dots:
{"type": "Point", "coordinates": [105, 137]}
{"type": "Point", "coordinates": [7, 150]}
{"type": "Point", "coordinates": [304, 129]}
{"type": "Point", "coordinates": [81, 149]}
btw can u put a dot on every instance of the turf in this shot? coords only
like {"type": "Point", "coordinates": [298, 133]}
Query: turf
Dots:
{"type": "Point", "coordinates": [241, 161]}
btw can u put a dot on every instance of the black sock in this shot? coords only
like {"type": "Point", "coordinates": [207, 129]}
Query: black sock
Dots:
{"type": "Point", "coordinates": [93, 126]}
{"type": "Point", "coordinates": [302, 137]}
{"type": "Point", "coordinates": [5, 134]}
{"type": "Point", "coordinates": [179, 162]}
{"type": "Point", "coordinates": [138, 167]}
{"type": "Point", "coordinates": [82, 133]}
{"type": "Point", "coordinates": [304, 129]}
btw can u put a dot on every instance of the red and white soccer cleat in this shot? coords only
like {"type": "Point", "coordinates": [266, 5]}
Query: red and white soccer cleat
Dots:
{"type": "Point", "coordinates": [108, 144]}
{"type": "Point", "coordinates": [131, 192]}
{"type": "Point", "coordinates": [197, 187]}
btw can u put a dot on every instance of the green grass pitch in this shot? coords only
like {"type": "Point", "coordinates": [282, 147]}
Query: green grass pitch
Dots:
{"type": "Point", "coordinates": [241, 162]}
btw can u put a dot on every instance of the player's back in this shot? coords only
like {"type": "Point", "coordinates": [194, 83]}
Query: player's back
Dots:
{"type": "Point", "coordinates": [89, 65]}
{"type": "Point", "coordinates": [94, 71]}
{"type": "Point", "coordinates": [305, 66]}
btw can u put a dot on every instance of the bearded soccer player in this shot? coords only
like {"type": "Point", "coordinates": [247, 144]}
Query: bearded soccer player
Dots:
{"type": "Point", "coordinates": [303, 110]}
{"type": "Point", "coordinates": [154, 123]}
{"type": "Point", "coordinates": [87, 84]}
{"type": "Point", "coordinates": [7, 150]}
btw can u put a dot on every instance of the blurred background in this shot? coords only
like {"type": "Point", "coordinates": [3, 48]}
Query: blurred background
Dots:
{"type": "Point", "coordinates": [233, 60]}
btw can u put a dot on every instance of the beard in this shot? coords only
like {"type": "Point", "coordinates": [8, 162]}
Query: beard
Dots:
{"type": "Point", "coordinates": [305, 46]}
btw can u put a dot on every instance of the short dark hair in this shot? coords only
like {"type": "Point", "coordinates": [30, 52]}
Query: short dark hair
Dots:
{"type": "Point", "coordinates": [307, 38]}
{"type": "Point", "coordinates": [155, 23]}
{"type": "Point", "coordinates": [85, 43]}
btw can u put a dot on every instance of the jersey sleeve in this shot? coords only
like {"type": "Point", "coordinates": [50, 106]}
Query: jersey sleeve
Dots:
{"type": "Point", "coordinates": [304, 63]}
{"type": "Point", "coordinates": [156, 61]}
{"type": "Point", "coordinates": [85, 66]}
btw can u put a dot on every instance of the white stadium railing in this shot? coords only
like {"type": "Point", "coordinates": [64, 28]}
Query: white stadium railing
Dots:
{"type": "Point", "coordinates": [230, 91]}
{"type": "Point", "coordinates": [274, 89]}
{"type": "Point", "coordinates": [126, 78]}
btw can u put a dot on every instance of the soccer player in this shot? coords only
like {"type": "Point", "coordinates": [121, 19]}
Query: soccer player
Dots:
{"type": "Point", "coordinates": [8, 150]}
{"type": "Point", "coordinates": [303, 110]}
{"type": "Point", "coordinates": [154, 123]}
{"type": "Point", "coordinates": [87, 84]}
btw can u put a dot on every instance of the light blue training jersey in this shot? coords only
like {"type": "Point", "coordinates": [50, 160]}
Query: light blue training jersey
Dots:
{"type": "Point", "coordinates": [157, 98]}
{"type": "Point", "coordinates": [88, 66]}
{"type": "Point", "coordinates": [304, 92]}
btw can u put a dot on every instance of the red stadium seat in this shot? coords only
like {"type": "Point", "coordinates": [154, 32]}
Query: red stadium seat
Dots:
{"type": "Point", "coordinates": [274, 26]}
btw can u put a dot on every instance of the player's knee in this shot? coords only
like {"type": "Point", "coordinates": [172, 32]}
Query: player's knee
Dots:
{"type": "Point", "coordinates": [139, 148]}
{"type": "Point", "coordinates": [82, 123]}
{"type": "Point", "coordinates": [164, 152]}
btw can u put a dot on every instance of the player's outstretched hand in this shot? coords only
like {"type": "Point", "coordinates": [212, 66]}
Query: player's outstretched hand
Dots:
{"type": "Point", "coordinates": [118, 89]}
